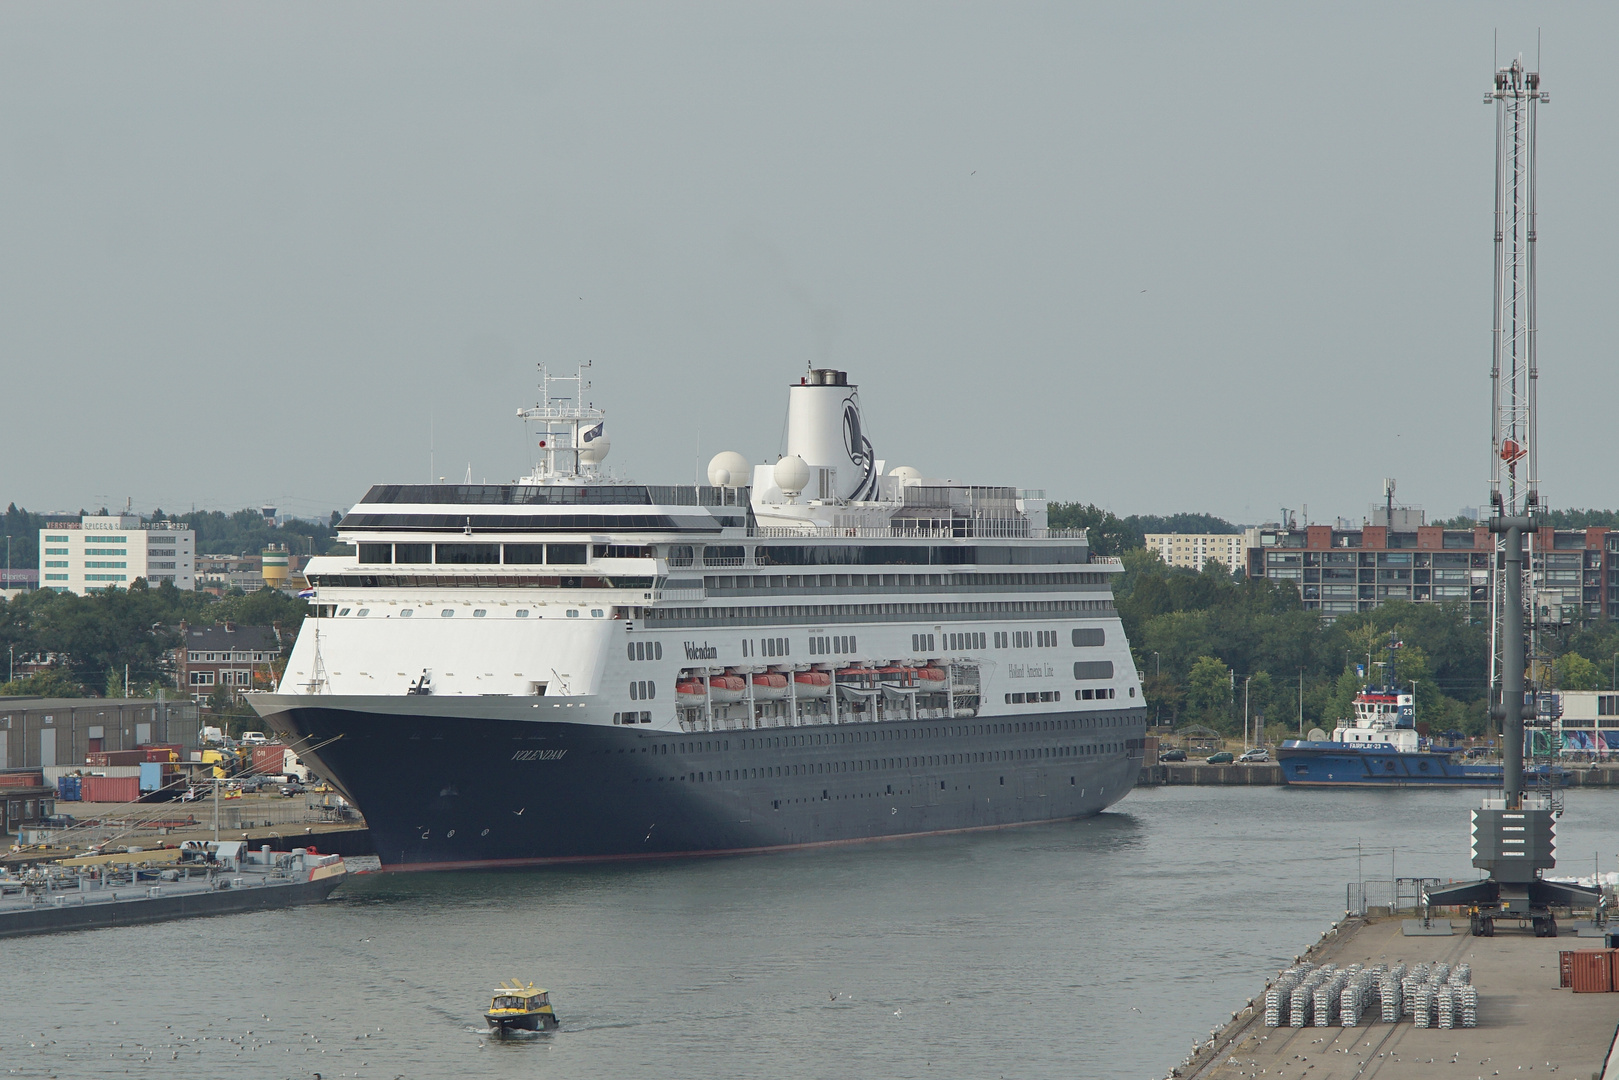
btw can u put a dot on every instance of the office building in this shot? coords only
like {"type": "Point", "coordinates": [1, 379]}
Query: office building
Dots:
{"type": "Point", "coordinates": [110, 551]}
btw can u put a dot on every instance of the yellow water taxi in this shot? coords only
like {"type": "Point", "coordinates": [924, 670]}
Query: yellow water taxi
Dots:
{"type": "Point", "coordinates": [516, 1007]}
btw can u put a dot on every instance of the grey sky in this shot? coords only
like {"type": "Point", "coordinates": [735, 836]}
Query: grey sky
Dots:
{"type": "Point", "coordinates": [1156, 256]}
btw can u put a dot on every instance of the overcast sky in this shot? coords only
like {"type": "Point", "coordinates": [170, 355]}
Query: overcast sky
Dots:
{"type": "Point", "coordinates": [1159, 257]}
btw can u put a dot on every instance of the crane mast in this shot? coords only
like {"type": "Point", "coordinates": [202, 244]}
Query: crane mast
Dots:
{"type": "Point", "coordinates": [1514, 478]}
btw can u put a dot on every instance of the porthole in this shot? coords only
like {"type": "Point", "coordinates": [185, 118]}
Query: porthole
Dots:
{"type": "Point", "coordinates": [596, 613]}
{"type": "Point", "coordinates": [478, 613]}
{"type": "Point", "coordinates": [523, 614]}
{"type": "Point", "coordinates": [573, 613]}
{"type": "Point", "coordinates": [446, 613]}
{"type": "Point", "coordinates": [407, 613]}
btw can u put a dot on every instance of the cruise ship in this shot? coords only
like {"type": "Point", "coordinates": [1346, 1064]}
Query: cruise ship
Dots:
{"type": "Point", "coordinates": [816, 650]}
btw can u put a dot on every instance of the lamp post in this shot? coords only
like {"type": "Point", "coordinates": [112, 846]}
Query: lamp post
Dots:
{"type": "Point", "coordinates": [1158, 664]}
{"type": "Point", "coordinates": [1245, 680]}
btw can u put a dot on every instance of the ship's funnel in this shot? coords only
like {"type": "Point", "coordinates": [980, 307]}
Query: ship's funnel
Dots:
{"type": "Point", "coordinates": [824, 428]}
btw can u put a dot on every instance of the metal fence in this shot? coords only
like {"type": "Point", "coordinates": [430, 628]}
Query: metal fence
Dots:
{"type": "Point", "coordinates": [1393, 896]}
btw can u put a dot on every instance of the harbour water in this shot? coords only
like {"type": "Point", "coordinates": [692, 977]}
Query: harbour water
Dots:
{"type": "Point", "coordinates": [1095, 949]}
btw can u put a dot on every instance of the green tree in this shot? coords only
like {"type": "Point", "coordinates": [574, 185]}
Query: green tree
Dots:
{"type": "Point", "coordinates": [52, 682]}
{"type": "Point", "coordinates": [115, 684]}
{"type": "Point", "coordinates": [1208, 691]}
{"type": "Point", "coordinates": [1575, 672]}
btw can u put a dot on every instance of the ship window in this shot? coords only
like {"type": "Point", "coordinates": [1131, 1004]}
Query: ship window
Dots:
{"type": "Point", "coordinates": [407, 613]}
{"type": "Point", "coordinates": [467, 553]}
{"type": "Point", "coordinates": [596, 613]}
{"type": "Point", "coordinates": [1089, 637]}
{"type": "Point", "coordinates": [376, 553]}
{"type": "Point", "coordinates": [413, 553]}
{"type": "Point", "coordinates": [565, 554]}
{"type": "Point", "coordinates": [446, 613]}
{"type": "Point", "coordinates": [524, 554]}
{"type": "Point", "coordinates": [573, 613]}
{"type": "Point", "coordinates": [362, 613]}
{"type": "Point", "coordinates": [523, 614]}
{"type": "Point", "coordinates": [344, 611]}
{"type": "Point", "coordinates": [478, 613]}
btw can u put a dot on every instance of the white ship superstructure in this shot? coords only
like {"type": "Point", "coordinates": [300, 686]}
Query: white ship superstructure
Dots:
{"type": "Point", "coordinates": [820, 629]}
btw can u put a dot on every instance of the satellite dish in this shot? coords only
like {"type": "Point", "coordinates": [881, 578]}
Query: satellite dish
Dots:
{"type": "Point", "coordinates": [728, 469]}
{"type": "Point", "coordinates": [1317, 735]}
{"type": "Point", "coordinates": [791, 474]}
{"type": "Point", "coordinates": [905, 474]}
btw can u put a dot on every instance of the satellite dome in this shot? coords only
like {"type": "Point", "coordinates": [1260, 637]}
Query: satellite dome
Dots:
{"type": "Point", "coordinates": [791, 474]}
{"type": "Point", "coordinates": [728, 469]}
{"type": "Point", "coordinates": [904, 474]}
{"type": "Point", "coordinates": [595, 451]}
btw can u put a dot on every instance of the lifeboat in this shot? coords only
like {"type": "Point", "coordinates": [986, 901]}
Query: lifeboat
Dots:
{"type": "Point", "coordinates": [930, 680]}
{"type": "Point", "coordinates": [690, 693]}
{"type": "Point", "coordinates": [856, 676]}
{"type": "Point", "coordinates": [812, 684]}
{"type": "Point", "coordinates": [903, 676]}
{"type": "Point", "coordinates": [769, 686]}
{"type": "Point", "coordinates": [726, 687]}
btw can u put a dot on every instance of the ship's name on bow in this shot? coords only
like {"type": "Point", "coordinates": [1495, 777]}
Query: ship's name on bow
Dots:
{"type": "Point", "coordinates": [705, 651]}
{"type": "Point", "coordinates": [538, 755]}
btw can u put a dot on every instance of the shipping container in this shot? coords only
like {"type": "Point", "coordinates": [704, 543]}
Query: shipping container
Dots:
{"type": "Point", "coordinates": [67, 788]}
{"type": "Point", "coordinates": [159, 752]}
{"type": "Point", "coordinates": [22, 779]}
{"type": "Point", "coordinates": [1592, 971]}
{"type": "Point", "coordinates": [269, 760]}
{"type": "Point", "coordinates": [151, 775]}
{"type": "Point", "coordinates": [115, 757]}
{"type": "Point", "coordinates": [1613, 976]}
{"type": "Point", "coordinates": [110, 789]}
{"type": "Point", "coordinates": [1565, 968]}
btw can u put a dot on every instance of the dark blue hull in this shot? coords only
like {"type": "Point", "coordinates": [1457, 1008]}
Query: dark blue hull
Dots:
{"type": "Point", "coordinates": [445, 791]}
{"type": "Point", "coordinates": [1330, 764]}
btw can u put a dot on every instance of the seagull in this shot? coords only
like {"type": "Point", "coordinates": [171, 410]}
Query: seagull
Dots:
{"type": "Point", "coordinates": [519, 813]}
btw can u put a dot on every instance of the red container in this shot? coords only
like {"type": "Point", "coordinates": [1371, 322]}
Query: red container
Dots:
{"type": "Point", "coordinates": [103, 758]}
{"type": "Point", "coordinates": [269, 760]}
{"type": "Point", "coordinates": [1613, 980]}
{"type": "Point", "coordinates": [1592, 971]}
{"type": "Point", "coordinates": [1565, 968]}
{"type": "Point", "coordinates": [22, 779]}
{"type": "Point", "coordinates": [110, 789]}
{"type": "Point", "coordinates": [159, 752]}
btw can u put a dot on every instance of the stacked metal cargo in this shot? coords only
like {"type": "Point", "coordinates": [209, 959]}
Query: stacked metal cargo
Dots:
{"type": "Point", "coordinates": [1431, 995]}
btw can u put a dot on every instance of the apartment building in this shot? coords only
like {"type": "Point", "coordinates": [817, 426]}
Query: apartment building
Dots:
{"type": "Point", "coordinates": [1192, 550]}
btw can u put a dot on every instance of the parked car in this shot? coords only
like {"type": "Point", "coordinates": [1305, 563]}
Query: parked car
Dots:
{"type": "Point", "coordinates": [1222, 758]}
{"type": "Point", "coordinates": [1172, 755]}
{"type": "Point", "coordinates": [1257, 754]}
{"type": "Point", "coordinates": [254, 738]}
{"type": "Point", "coordinates": [294, 788]}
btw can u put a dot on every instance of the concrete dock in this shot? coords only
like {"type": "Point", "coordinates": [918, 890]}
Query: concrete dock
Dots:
{"type": "Point", "coordinates": [1526, 1024]}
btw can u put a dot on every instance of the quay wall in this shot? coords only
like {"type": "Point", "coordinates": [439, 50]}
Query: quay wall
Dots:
{"type": "Point", "coordinates": [1170, 774]}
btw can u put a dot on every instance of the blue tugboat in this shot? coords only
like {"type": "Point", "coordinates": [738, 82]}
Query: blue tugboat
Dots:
{"type": "Point", "coordinates": [1380, 747]}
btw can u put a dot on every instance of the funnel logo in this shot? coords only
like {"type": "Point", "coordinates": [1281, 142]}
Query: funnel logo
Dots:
{"type": "Point", "coordinates": [854, 440]}
{"type": "Point", "coordinates": [858, 447]}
